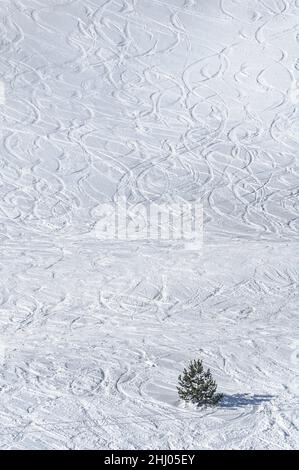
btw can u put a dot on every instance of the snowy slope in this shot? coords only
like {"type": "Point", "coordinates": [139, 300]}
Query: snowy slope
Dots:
{"type": "Point", "coordinates": [150, 100]}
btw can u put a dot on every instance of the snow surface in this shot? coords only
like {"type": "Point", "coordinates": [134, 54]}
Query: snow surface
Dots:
{"type": "Point", "coordinates": [148, 99]}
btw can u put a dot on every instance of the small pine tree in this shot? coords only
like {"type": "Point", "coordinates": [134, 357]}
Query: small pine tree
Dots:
{"type": "Point", "coordinates": [197, 385]}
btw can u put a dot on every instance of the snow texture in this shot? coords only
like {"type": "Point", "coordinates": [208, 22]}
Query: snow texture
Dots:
{"type": "Point", "coordinates": [150, 100]}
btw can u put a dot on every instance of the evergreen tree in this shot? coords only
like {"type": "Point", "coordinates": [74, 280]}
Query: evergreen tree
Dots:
{"type": "Point", "coordinates": [197, 385]}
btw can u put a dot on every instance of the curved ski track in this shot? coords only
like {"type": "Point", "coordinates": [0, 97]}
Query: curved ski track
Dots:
{"type": "Point", "coordinates": [153, 100]}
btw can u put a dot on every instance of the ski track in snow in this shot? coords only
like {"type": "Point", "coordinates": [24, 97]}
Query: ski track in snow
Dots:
{"type": "Point", "coordinates": [150, 100]}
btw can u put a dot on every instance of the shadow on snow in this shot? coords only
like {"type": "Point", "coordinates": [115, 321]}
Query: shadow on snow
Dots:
{"type": "Point", "coordinates": [239, 400]}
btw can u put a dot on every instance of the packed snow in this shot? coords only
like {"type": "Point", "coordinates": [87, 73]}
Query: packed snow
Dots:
{"type": "Point", "coordinates": [156, 100]}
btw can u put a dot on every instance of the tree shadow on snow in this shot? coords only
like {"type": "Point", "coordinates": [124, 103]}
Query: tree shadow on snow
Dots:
{"type": "Point", "coordinates": [239, 400]}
